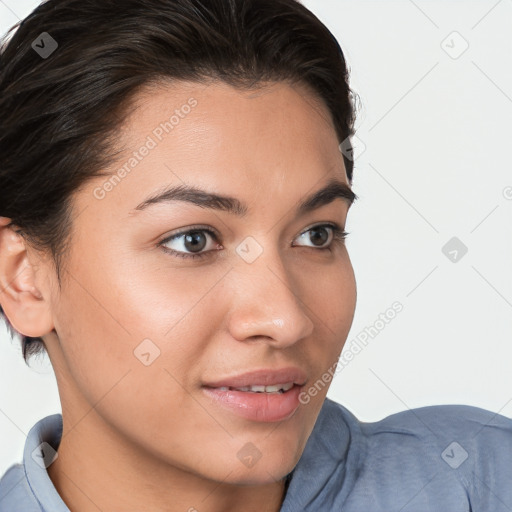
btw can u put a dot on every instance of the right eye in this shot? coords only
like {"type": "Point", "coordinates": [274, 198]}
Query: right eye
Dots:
{"type": "Point", "coordinates": [191, 239]}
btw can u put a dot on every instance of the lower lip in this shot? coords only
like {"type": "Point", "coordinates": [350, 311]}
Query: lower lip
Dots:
{"type": "Point", "coordinates": [264, 407]}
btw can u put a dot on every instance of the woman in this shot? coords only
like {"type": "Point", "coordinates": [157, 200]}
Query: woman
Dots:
{"type": "Point", "coordinates": [174, 202]}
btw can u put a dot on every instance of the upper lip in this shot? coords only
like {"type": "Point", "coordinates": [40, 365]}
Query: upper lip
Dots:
{"type": "Point", "coordinates": [263, 377]}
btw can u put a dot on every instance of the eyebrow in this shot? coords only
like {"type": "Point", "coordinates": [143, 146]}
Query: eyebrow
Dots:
{"type": "Point", "coordinates": [335, 189]}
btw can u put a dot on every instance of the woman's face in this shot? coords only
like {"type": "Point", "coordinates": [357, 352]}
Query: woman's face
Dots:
{"type": "Point", "coordinates": [142, 330]}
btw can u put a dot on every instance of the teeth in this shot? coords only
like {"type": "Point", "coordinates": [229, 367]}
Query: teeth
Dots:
{"type": "Point", "coordinates": [277, 388]}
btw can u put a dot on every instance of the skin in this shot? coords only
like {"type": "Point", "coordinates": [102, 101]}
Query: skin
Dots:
{"type": "Point", "coordinates": [139, 437]}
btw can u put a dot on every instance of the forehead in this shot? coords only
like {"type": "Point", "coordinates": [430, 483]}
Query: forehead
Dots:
{"type": "Point", "coordinates": [229, 112]}
{"type": "Point", "coordinates": [270, 142]}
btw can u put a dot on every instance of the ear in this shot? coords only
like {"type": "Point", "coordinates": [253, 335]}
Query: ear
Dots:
{"type": "Point", "coordinates": [23, 303]}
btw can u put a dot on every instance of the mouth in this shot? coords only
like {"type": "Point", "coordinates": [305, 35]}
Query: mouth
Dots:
{"type": "Point", "coordinates": [265, 395]}
{"type": "Point", "coordinates": [273, 389]}
{"type": "Point", "coordinates": [257, 403]}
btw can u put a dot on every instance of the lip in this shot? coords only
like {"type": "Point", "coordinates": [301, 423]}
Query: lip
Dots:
{"type": "Point", "coordinates": [262, 377]}
{"type": "Point", "coordinates": [258, 407]}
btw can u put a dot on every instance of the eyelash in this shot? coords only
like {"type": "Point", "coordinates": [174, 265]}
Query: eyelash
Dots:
{"type": "Point", "coordinates": [339, 236]}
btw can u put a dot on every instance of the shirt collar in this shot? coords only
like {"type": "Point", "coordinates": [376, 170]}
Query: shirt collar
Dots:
{"type": "Point", "coordinates": [327, 465]}
{"type": "Point", "coordinates": [40, 450]}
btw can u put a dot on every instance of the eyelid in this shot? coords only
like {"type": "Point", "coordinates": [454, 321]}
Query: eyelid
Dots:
{"type": "Point", "coordinates": [202, 227]}
{"type": "Point", "coordinates": [187, 229]}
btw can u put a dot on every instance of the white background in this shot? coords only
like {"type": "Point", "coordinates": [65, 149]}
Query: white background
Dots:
{"type": "Point", "coordinates": [432, 163]}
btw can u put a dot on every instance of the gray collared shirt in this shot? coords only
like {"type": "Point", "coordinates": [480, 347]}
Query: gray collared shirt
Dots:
{"type": "Point", "coordinates": [449, 458]}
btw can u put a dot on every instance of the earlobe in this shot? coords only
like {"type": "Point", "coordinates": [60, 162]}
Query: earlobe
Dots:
{"type": "Point", "coordinates": [21, 300]}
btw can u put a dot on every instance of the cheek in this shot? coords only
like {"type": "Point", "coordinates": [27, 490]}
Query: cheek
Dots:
{"type": "Point", "coordinates": [332, 303]}
{"type": "Point", "coordinates": [331, 297]}
{"type": "Point", "coordinates": [121, 361]}
{"type": "Point", "coordinates": [122, 326]}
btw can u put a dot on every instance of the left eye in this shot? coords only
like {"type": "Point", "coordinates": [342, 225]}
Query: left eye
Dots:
{"type": "Point", "coordinates": [194, 240]}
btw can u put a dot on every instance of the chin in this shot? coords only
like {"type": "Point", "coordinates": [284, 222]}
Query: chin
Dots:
{"type": "Point", "coordinates": [264, 471]}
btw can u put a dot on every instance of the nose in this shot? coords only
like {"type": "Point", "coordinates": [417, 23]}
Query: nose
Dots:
{"type": "Point", "coordinates": [266, 305]}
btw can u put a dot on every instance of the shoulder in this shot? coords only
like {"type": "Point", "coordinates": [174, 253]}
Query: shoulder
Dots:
{"type": "Point", "coordinates": [443, 430]}
{"type": "Point", "coordinates": [432, 426]}
{"type": "Point", "coordinates": [459, 451]}
{"type": "Point", "coordinates": [441, 423]}
{"type": "Point", "coordinates": [426, 423]}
